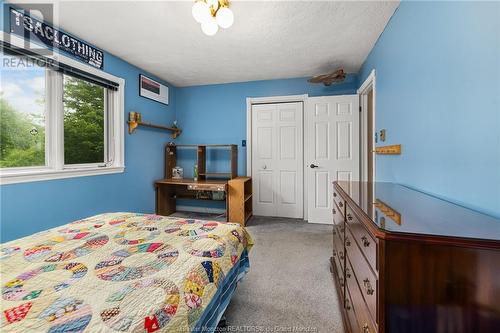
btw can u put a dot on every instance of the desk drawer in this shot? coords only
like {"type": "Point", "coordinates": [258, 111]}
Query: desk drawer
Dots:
{"type": "Point", "coordinates": [363, 238]}
{"type": "Point", "coordinates": [359, 272]}
{"type": "Point", "coordinates": [207, 187]}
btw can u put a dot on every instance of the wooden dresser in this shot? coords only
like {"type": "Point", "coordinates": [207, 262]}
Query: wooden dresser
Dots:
{"type": "Point", "coordinates": [404, 261]}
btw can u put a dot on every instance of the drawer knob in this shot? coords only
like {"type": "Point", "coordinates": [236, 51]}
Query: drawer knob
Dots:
{"type": "Point", "coordinates": [365, 328]}
{"type": "Point", "coordinates": [334, 211]}
{"type": "Point", "coordinates": [334, 232]}
{"type": "Point", "coordinates": [348, 272]}
{"type": "Point", "coordinates": [366, 243]}
{"type": "Point", "coordinates": [347, 242]}
{"type": "Point", "coordinates": [341, 204]}
{"type": "Point", "coordinates": [334, 194]}
{"type": "Point", "coordinates": [347, 304]}
{"type": "Point", "coordinates": [341, 281]}
{"type": "Point", "coordinates": [368, 287]}
{"type": "Point", "coordinates": [334, 253]}
{"type": "Point", "coordinates": [349, 217]}
{"type": "Point", "coordinates": [341, 255]}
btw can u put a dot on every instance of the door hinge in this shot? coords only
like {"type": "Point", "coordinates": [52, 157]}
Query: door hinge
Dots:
{"type": "Point", "coordinates": [360, 108]}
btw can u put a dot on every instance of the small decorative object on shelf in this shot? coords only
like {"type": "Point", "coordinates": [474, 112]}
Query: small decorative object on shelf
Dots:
{"type": "Point", "coordinates": [177, 173]}
{"type": "Point", "coordinates": [135, 120]}
{"type": "Point", "coordinates": [195, 173]}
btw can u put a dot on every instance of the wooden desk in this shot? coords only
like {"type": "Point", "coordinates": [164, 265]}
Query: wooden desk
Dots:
{"type": "Point", "coordinates": [169, 190]}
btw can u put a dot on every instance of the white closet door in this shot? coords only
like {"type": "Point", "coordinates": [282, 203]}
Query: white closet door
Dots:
{"type": "Point", "coordinates": [277, 159]}
{"type": "Point", "coordinates": [333, 150]}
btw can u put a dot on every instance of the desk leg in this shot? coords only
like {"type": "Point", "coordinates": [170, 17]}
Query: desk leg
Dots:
{"type": "Point", "coordinates": [165, 202]}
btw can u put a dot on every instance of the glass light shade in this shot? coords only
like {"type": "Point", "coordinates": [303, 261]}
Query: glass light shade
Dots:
{"type": "Point", "coordinates": [213, 3]}
{"type": "Point", "coordinates": [201, 12]}
{"type": "Point", "coordinates": [209, 27]}
{"type": "Point", "coordinates": [225, 17]}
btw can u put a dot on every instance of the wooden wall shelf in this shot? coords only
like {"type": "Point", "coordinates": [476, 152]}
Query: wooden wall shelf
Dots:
{"type": "Point", "coordinates": [388, 150]}
{"type": "Point", "coordinates": [135, 121]}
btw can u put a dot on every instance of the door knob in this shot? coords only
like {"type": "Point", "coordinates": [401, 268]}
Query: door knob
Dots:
{"type": "Point", "coordinates": [264, 167]}
{"type": "Point", "coordinates": [312, 166]}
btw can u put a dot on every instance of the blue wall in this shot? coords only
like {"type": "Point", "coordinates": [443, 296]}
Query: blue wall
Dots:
{"type": "Point", "coordinates": [438, 94]}
{"type": "Point", "coordinates": [30, 207]}
{"type": "Point", "coordinates": [217, 113]}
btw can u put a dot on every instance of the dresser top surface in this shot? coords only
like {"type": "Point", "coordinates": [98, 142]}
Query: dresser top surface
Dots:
{"type": "Point", "coordinates": [408, 211]}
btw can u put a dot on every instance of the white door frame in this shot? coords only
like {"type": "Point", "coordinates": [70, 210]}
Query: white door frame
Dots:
{"type": "Point", "coordinates": [363, 102]}
{"type": "Point", "coordinates": [269, 100]}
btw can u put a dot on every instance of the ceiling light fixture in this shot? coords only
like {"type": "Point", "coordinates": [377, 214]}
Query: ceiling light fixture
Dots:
{"type": "Point", "coordinates": [212, 14]}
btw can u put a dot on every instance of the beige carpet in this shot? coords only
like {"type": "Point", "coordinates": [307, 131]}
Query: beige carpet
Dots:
{"type": "Point", "coordinates": [289, 287]}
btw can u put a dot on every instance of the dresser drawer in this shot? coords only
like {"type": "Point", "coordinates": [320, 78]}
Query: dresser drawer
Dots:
{"type": "Point", "coordinates": [350, 312]}
{"type": "Point", "coordinates": [363, 313]}
{"type": "Point", "coordinates": [339, 202]}
{"type": "Point", "coordinates": [338, 218]}
{"type": "Point", "coordinates": [363, 238]}
{"type": "Point", "coordinates": [359, 272]}
{"type": "Point", "coordinates": [338, 239]}
{"type": "Point", "coordinates": [338, 271]}
{"type": "Point", "coordinates": [341, 231]}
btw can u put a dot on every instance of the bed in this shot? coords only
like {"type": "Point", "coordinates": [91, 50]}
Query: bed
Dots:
{"type": "Point", "coordinates": [122, 272]}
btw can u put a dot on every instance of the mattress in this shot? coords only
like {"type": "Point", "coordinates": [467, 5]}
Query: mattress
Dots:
{"type": "Point", "coordinates": [122, 272]}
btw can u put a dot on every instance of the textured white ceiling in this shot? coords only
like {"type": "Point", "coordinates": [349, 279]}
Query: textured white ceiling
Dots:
{"type": "Point", "coordinates": [268, 40]}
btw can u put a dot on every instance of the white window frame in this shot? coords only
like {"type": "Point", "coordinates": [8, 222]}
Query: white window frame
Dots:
{"type": "Point", "coordinates": [54, 123]}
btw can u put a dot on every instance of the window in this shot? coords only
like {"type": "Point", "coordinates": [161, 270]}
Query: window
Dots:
{"type": "Point", "coordinates": [84, 110]}
{"type": "Point", "coordinates": [58, 121]}
{"type": "Point", "coordinates": [22, 115]}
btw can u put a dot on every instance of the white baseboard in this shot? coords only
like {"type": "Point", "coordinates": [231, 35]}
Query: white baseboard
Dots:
{"type": "Point", "coordinates": [327, 223]}
{"type": "Point", "coordinates": [195, 209]}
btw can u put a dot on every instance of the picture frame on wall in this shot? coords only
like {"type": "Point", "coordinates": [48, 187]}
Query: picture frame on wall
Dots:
{"type": "Point", "coordinates": [153, 89]}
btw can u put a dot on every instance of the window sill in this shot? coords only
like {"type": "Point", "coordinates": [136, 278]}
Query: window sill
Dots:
{"type": "Point", "coordinates": [43, 175]}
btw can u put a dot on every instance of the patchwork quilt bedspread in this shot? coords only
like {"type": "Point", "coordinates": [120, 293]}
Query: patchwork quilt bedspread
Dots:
{"type": "Point", "coordinates": [119, 272]}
